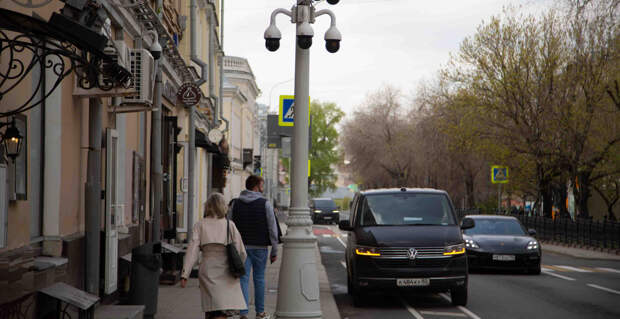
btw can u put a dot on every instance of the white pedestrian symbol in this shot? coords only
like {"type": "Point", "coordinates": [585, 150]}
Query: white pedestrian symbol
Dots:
{"type": "Point", "coordinates": [290, 114]}
{"type": "Point", "coordinates": [500, 175]}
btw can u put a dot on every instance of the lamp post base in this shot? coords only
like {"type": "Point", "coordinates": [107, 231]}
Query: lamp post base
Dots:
{"type": "Point", "coordinates": [298, 285]}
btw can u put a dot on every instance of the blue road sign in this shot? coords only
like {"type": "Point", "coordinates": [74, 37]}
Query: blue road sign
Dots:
{"type": "Point", "coordinates": [499, 174]}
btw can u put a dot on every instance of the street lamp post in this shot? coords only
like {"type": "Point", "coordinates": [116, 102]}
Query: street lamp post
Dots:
{"type": "Point", "coordinates": [298, 288]}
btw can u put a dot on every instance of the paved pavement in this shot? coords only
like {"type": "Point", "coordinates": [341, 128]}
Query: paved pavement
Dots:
{"type": "Point", "coordinates": [569, 287]}
{"type": "Point", "coordinates": [175, 302]}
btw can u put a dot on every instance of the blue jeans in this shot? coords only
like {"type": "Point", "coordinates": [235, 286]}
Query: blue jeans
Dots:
{"type": "Point", "coordinates": [256, 261]}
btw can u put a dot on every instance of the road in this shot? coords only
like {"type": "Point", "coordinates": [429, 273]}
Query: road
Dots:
{"type": "Point", "coordinates": [567, 288]}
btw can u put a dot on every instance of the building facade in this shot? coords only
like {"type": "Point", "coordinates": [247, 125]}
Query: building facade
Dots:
{"type": "Point", "coordinates": [82, 141]}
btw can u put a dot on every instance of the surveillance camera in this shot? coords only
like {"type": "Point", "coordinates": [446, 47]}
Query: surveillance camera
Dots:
{"type": "Point", "coordinates": [304, 41]}
{"type": "Point", "coordinates": [332, 39]}
{"type": "Point", "coordinates": [272, 38]}
{"type": "Point", "coordinates": [333, 1]}
{"type": "Point", "coordinates": [272, 44]}
{"type": "Point", "coordinates": [304, 35]}
{"type": "Point", "coordinates": [156, 50]}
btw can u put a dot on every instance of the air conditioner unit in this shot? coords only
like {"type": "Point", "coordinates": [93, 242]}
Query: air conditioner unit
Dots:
{"type": "Point", "coordinates": [142, 67]}
{"type": "Point", "coordinates": [120, 55]}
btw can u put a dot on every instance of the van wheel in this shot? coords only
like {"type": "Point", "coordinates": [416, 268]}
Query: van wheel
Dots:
{"type": "Point", "coordinates": [358, 298]}
{"type": "Point", "coordinates": [459, 296]}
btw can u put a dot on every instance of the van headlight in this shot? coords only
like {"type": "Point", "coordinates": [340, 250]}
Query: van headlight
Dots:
{"type": "Point", "coordinates": [367, 251]}
{"type": "Point", "coordinates": [317, 211]}
{"type": "Point", "coordinates": [454, 250]}
{"type": "Point", "coordinates": [532, 245]}
{"type": "Point", "coordinates": [335, 211]}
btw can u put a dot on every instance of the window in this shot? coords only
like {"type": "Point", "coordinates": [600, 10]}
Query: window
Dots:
{"type": "Point", "coordinates": [406, 209]}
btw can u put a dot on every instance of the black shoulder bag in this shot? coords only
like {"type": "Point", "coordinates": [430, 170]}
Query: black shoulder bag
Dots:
{"type": "Point", "coordinates": [235, 264]}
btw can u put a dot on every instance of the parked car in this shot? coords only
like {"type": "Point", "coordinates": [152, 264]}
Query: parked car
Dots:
{"type": "Point", "coordinates": [324, 210]}
{"type": "Point", "coordinates": [501, 242]}
{"type": "Point", "coordinates": [405, 240]}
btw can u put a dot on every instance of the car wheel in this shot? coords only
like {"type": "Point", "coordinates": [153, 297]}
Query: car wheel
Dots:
{"type": "Point", "coordinates": [459, 296]}
{"type": "Point", "coordinates": [534, 270]}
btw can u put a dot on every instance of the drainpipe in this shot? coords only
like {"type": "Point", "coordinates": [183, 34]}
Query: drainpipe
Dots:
{"type": "Point", "coordinates": [221, 99]}
{"type": "Point", "coordinates": [192, 125]}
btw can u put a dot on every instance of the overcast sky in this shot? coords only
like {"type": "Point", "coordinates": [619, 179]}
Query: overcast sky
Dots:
{"type": "Point", "coordinates": [396, 42]}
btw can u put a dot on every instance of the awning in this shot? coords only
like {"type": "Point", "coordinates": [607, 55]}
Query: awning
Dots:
{"type": "Point", "coordinates": [202, 141]}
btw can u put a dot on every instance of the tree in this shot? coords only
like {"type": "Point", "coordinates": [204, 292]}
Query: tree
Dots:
{"type": "Point", "coordinates": [323, 152]}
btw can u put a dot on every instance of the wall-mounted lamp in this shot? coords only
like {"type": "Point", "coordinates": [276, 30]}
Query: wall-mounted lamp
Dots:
{"type": "Point", "coordinates": [11, 139]}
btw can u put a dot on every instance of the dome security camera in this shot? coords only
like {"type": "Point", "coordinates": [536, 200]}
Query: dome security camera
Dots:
{"type": "Point", "coordinates": [332, 2]}
{"type": "Point", "coordinates": [272, 38]}
{"type": "Point", "coordinates": [332, 39]}
{"type": "Point", "coordinates": [304, 35]}
{"type": "Point", "coordinates": [156, 50]}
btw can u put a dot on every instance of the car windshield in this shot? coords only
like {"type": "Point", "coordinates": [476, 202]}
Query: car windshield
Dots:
{"type": "Point", "coordinates": [324, 203]}
{"type": "Point", "coordinates": [406, 209]}
{"type": "Point", "coordinates": [490, 226]}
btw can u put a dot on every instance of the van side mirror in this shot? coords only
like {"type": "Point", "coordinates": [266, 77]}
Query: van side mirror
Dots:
{"type": "Point", "coordinates": [531, 231]}
{"type": "Point", "coordinates": [467, 223]}
{"type": "Point", "coordinates": [345, 225]}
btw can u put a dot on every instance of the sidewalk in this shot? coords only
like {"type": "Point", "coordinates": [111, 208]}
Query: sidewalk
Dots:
{"type": "Point", "coordinates": [175, 302]}
{"type": "Point", "coordinates": [578, 252]}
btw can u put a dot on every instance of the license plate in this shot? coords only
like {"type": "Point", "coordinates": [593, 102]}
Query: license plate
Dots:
{"type": "Point", "coordinates": [327, 217]}
{"type": "Point", "coordinates": [504, 257]}
{"type": "Point", "coordinates": [412, 282]}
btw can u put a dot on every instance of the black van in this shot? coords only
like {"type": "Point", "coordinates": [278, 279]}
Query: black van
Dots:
{"type": "Point", "coordinates": [403, 240]}
{"type": "Point", "coordinates": [324, 210]}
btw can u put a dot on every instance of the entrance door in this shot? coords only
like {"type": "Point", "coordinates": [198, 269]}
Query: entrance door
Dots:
{"type": "Point", "coordinates": [111, 213]}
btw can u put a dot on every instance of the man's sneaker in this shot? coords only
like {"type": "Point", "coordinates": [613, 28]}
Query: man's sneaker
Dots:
{"type": "Point", "coordinates": [262, 315]}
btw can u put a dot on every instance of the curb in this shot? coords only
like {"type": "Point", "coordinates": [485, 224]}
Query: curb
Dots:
{"type": "Point", "coordinates": [578, 252]}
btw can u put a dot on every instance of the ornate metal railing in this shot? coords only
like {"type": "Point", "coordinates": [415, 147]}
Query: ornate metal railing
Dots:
{"type": "Point", "coordinates": [31, 48]}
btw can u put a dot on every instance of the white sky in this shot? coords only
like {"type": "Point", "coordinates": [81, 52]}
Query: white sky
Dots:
{"type": "Point", "coordinates": [396, 42]}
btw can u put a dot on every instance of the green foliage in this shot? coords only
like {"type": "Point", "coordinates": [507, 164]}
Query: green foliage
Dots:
{"type": "Point", "coordinates": [323, 153]}
{"type": "Point", "coordinates": [343, 203]}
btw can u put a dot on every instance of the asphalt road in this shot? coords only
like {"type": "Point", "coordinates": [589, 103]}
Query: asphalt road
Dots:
{"type": "Point", "coordinates": [567, 288]}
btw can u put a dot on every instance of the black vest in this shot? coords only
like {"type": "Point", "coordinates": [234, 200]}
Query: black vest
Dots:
{"type": "Point", "coordinates": [251, 221]}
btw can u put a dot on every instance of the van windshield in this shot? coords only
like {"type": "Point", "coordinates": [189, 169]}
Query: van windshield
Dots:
{"type": "Point", "coordinates": [406, 209]}
{"type": "Point", "coordinates": [325, 203]}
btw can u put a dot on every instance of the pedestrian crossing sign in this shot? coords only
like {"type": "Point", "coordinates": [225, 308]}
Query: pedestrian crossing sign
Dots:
{"type": "Point", "coordinates": [499, 174]}
{"type": "Point", "coordinates": [286, 116]}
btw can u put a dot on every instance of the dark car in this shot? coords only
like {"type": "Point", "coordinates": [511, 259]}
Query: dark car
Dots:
{"type": "Point", "coordinates": [324, 210]}
{"type": "Point", "coordinates": [501, 242]}
{"type": "Point", "coordinates": [405, 240]}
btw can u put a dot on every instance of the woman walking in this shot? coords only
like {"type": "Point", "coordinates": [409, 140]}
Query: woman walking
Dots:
{"type": "Point", "coordinates": [220, 291]}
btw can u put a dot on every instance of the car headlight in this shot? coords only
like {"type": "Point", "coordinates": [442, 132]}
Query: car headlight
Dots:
{"type": "Point", "coordinates": [335, 211]}
{"type": "Point", "coordinates": [454, 250]}
{"type": "Point", "coordinates": [367, 251]}
{"type": "Point", "coordinates": [469, 243]}
{"type": "Point", "coordinates": [317, 210]}
{"type": "Point", "coordinates": [532, 245]}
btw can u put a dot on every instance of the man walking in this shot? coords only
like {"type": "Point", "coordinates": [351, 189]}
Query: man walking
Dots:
{"type": "Point", "coordinates": [254, 217]}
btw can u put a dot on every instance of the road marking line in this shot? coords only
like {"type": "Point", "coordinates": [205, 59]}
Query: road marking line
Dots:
{"type": "Point", "coordinates": [609, 269]}
{"type": "Point", "coordinates": [569, 268]}
{"type": "Point", "coordinates": [440, 313]}
{"type": "Point", "coordinates": [343, 264]}
{"type": "Point", "coordinates": [412, 311]}
{"type": "Point", "coordinates": [342, 242]}
{"type": "Point", "coordinates": [552, 268]}
{"type": "Point", "coordinates": [547, 272]}
{"type": "Point", "coordinates": [463, 309]}
{"type": "Point", "coordinates": [605, 289]}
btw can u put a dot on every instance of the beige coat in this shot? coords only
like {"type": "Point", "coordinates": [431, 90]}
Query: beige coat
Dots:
{"type": "Point", "coordinates": [219, 289]}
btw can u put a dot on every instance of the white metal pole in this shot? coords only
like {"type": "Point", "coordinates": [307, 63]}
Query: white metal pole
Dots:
{"type": "Point", "coordinates": [298, 295]}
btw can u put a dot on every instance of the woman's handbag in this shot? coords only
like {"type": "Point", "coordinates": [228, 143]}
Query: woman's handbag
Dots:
{"type": "Point", "coordinates": [235, 264]}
